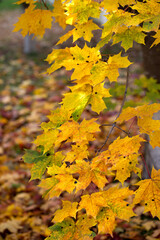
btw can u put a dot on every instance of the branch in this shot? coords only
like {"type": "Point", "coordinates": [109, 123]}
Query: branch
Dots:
{"type": "Point", "coordinates": [45, 4]}
{"type": "Point", "coordinates": [128, 133]}
{"type": "Point", "coordinates": [125, 94]}
{"type": "Point", "coordinates": [146, 166]}
{"type": "Point", "coordinates": [114, 124]}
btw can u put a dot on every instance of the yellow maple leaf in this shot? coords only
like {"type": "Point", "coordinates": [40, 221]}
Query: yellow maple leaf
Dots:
{"type": "Point", "coordinates": [25, 1]}
{"type": "Point", "coordinates": [59, 13]}
{"type": "Point", "coordinates": [34, 21]}
{"type": "Point", "coordinates": [96, 100]}
{"type": "Point", "coordinates": [110, 6]}
{"type": "Point", "coordinates": [80, 10]}
{"type": "Point", "coordinates": [69, 209]}
{"type": "Point", "coordinates": [148, 125]}
{"type": "Point", "coordinates": [80, 30]}
{"type": "Point", "coordinates": [113, 199]}
{"type": "Point", "coordinates": [57, 118]}
{"type": "Point", "coordinates": [69, 229]}
{"type": "Point", "coordinates": [76, 100]}
{"type": "Point", "coordinates": [154, 139]}
{"type": "Point", "coordinates": [47, 139]}
{"type": "Point", "coordinates": [78, 152]}
{"type": "Point", "coordinates": [149, 193]}
{"type": "Point", "coordinates": [66, 181]}
{"type": "Point", "coordinates": [68, 129]}
{"type": "Point", "coordinates": [122, 155]}
{"type": "Point", "coordinates": [157, 40]}
{"type": "Point", "coordinates": [109, 69]}
{"type": "Point", "coordinates": [145, 122]}
{"type": "Point", "coordinates": [83, 225]}
{"type": "Point", "coordinates": [113, 64]}
{"type": "Point", "coordinates": [81, 60]}
{"type": "Point", "coordinates": [84, 59]}
{"type": "Point", "coordinates": [115, 20]}
{"type": "Point", "coordinates": [124, 147]}
{"type": "Point", "coordinates": [87, 175]}
{"type": "Point", "coordinates": [49, 184]}
{"type": "Point", "coordinates": [125, 166]}
{"type": "Point", "coordinates": [106, 221]}
{"type": "Point", "coordinates": [143, 112]}
{"type": "Point", "coordinates": [127, 35]}
{"type": "Point", "coordinates": [92, 203]}
{"type": "Point", "coordinates": [79, 133]}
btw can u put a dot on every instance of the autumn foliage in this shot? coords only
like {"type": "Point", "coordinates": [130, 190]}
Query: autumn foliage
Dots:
{"type": "Point", "coordinates": [73, 172]}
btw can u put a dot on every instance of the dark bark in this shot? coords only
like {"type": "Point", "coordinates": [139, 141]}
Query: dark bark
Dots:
{"type": "Point", "coordinates": [151, 58]}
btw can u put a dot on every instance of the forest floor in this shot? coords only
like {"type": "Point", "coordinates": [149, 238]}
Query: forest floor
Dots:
{"type": "Point", "coordinates": [27, 96]}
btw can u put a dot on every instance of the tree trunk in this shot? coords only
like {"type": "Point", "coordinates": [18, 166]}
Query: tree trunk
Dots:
{"type": "Point", "coordinates": [151, 58]}
{"type": "Point", "coordinates": [29, 43]}
{"type": "Point", "coordinates": [151, 63]}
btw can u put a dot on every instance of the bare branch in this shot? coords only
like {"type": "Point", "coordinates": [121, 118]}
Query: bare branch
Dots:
{"type": "Point", "coordinates": [128, 133]}
{"type": "Point", "coordinates": [114, 124]}
{"type": "Point", "coordinates": [125, 94]}
{"type": "Point", "coordinates": [45, 4]}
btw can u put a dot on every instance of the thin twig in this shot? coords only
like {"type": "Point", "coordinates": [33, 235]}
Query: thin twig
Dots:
{"type": "Point", "coordinates": [107, 124]}
{"type": "Point", "coordinates": [114, 124]}
{"type": "Point", "coordinates": [128, 133]}
{"type": "Point", "coordinates": [146, 165]}
{"type": "Point", "coordinates": [45, 4]}
{"type": "Point", "coordinates": [125, 94]}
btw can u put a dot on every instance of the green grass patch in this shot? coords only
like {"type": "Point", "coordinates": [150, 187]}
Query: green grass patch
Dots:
{"type": "Point", "coordinates": [8, 5]}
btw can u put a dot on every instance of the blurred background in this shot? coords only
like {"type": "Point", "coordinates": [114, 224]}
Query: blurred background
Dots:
{"type": "Point", "coordinates": [27, 95]}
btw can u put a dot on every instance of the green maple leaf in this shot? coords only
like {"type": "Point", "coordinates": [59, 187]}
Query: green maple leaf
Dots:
{"type": "Point", "coordinates": [128, 35]}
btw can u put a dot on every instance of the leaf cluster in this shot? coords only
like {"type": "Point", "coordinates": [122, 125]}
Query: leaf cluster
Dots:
{"type": "Point", "coordinates": [74, 171]}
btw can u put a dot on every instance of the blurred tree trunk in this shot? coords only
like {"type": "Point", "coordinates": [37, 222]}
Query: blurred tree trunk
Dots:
{"type": "Point", "coordinates": [151, 64]}
{"type": "Point", "coordinates": [151, 58]}
{"type": "Point", "coordinates": [29, 44]}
